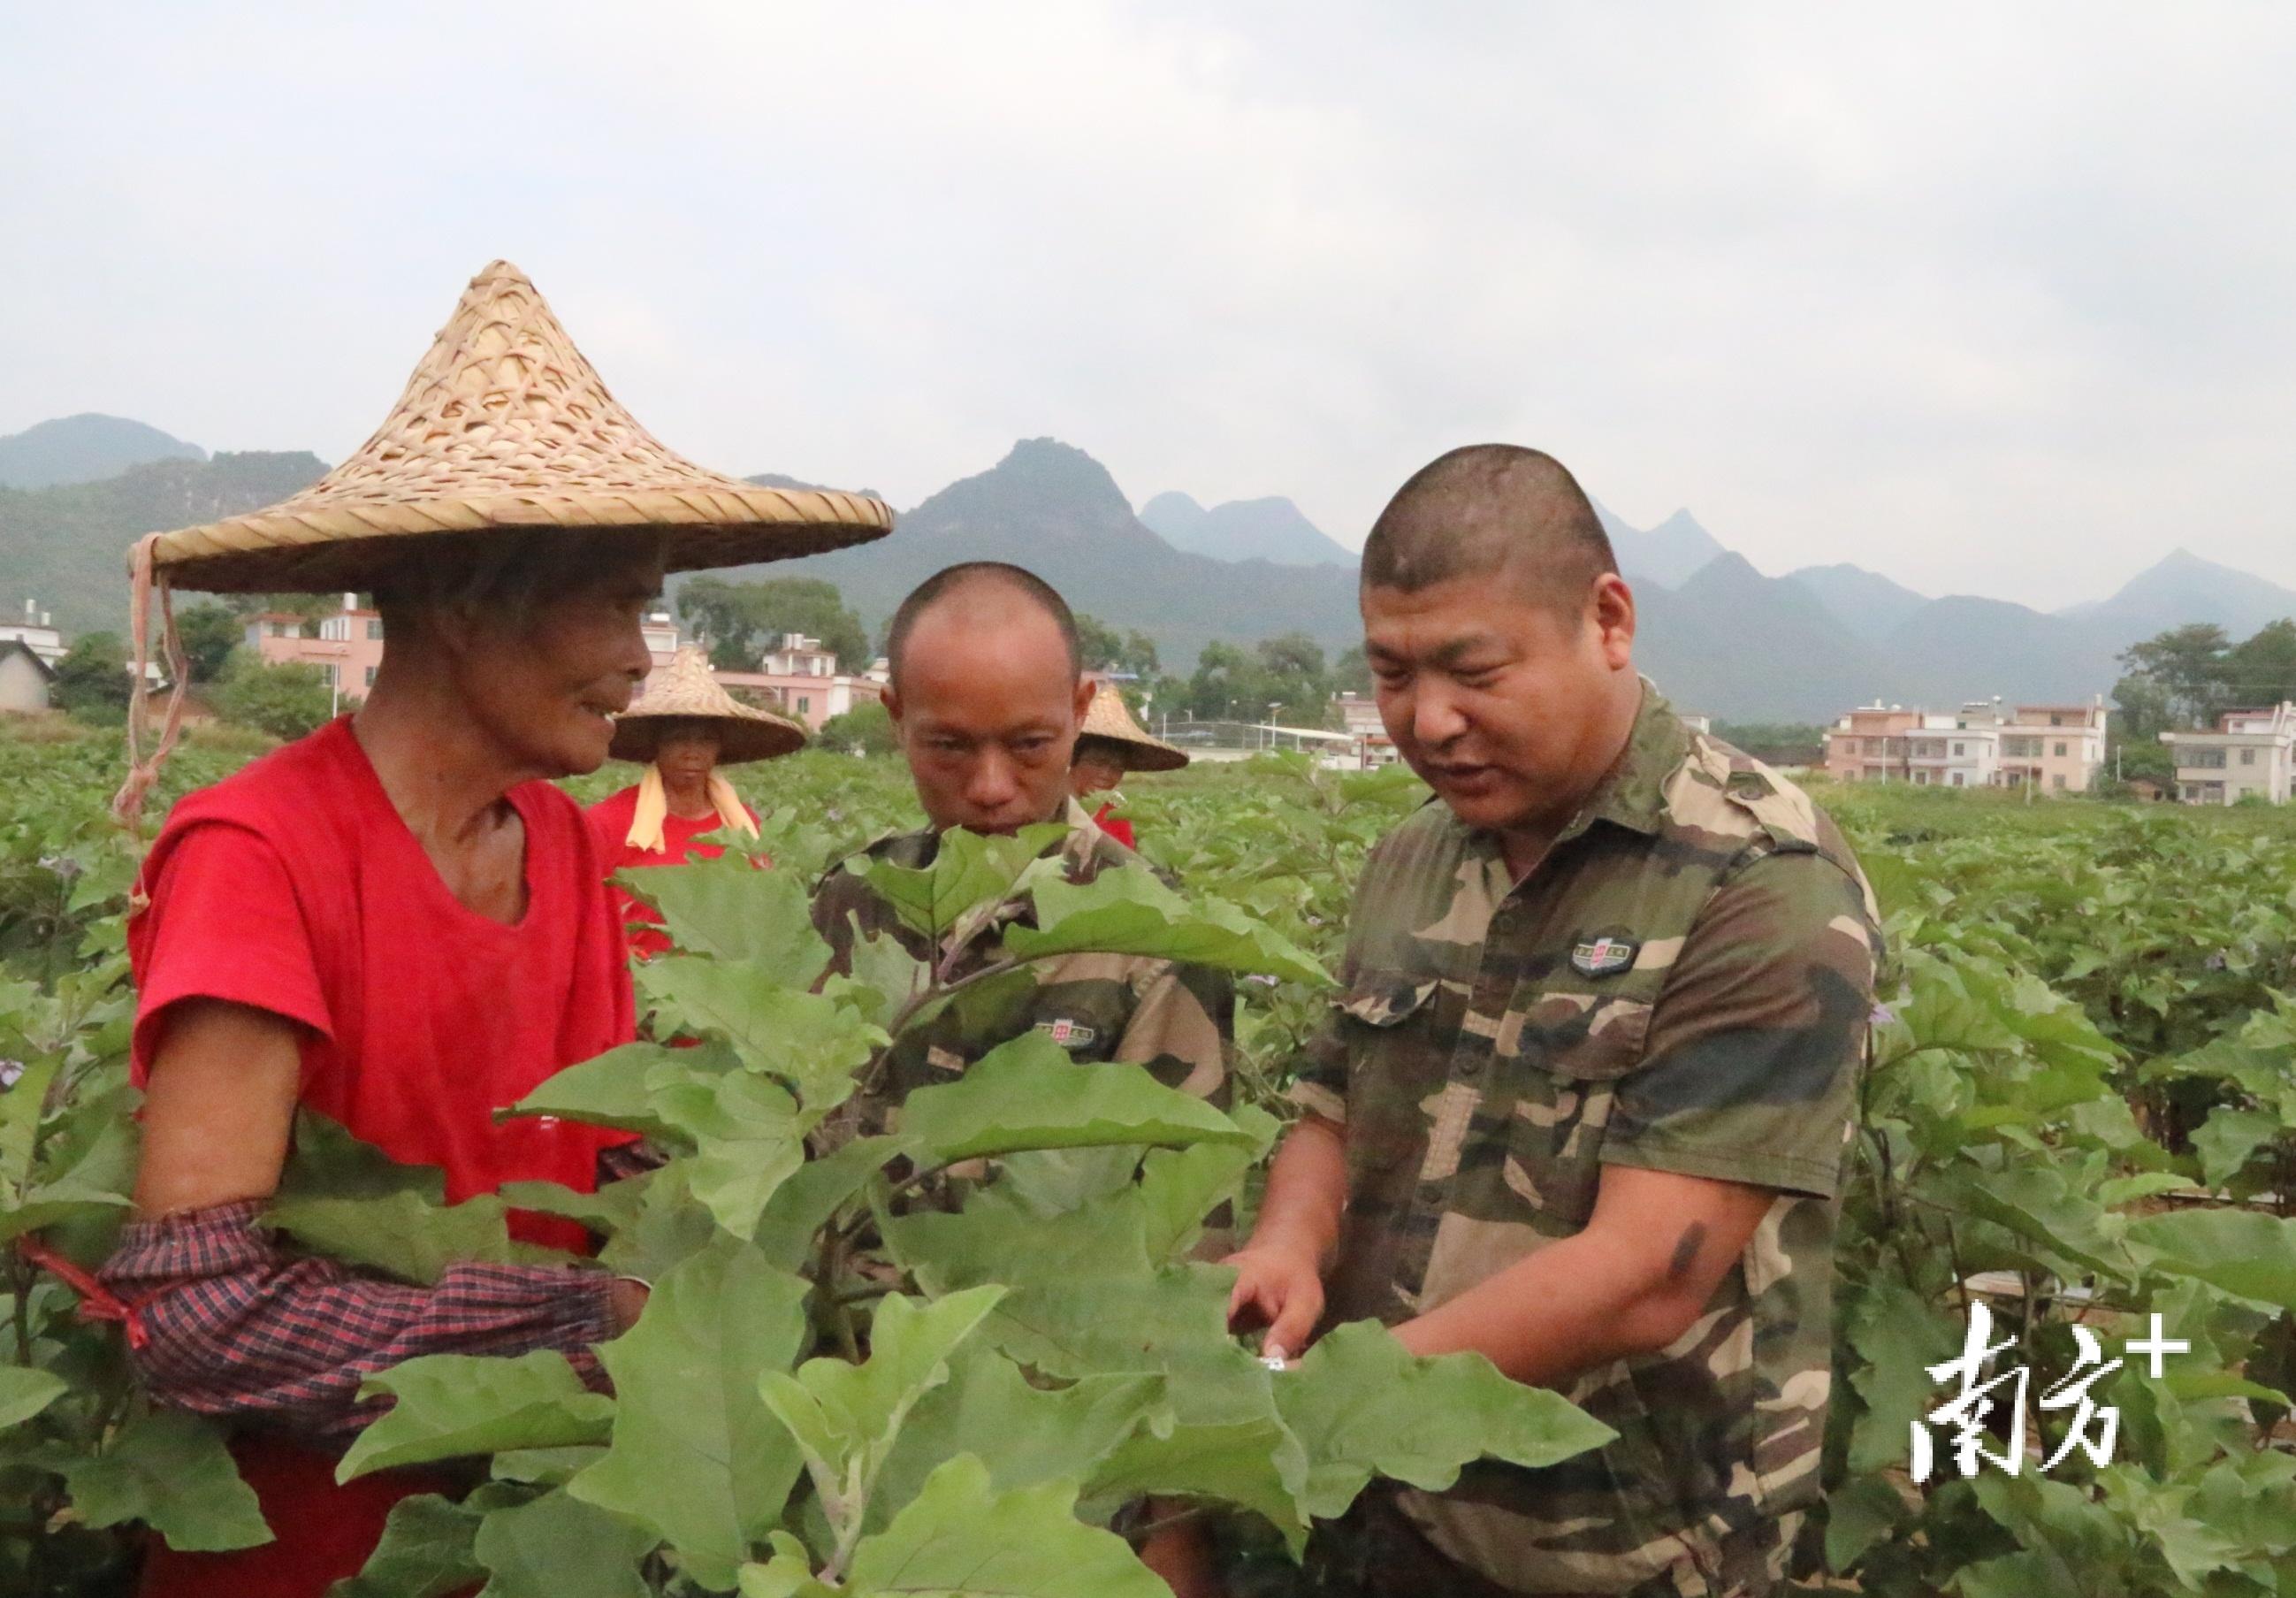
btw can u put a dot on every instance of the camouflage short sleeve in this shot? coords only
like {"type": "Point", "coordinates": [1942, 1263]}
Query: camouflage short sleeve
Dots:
{"type": "Point", "coordinates": [1750, 1065]}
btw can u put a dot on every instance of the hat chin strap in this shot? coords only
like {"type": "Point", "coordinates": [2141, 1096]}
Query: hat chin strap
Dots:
{"type": "Point", "coordinates": [142, 773]}
{"type": "Point", "coordinates": [652, 810]}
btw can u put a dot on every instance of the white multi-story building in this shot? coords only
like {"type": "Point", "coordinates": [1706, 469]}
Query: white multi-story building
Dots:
{"type": "Point", "coordinates": [37, 633]}
{"type": "Point", "coordinates": [2250, 751]}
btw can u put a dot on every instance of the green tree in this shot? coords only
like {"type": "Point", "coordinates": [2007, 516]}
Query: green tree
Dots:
{"type": "Point", "coordinates": [285, 701]}
{"type": "Point", "coordinates": [744, 620]}
{"type": "Point", "coordinates": [1098, 645]}
{"type": "Point", "coordinates": [865, 729]}
{"type": "Point", "coordinates": [1351, 672]}
{"type": "Point", "coordinates": [2262, 670]}
{"type": "Point", "coordinates": [209, 633]}
{"type": "Point", "coordinates": [92, 676]}
{"type": "Point", "coordinates": [2185, 669]}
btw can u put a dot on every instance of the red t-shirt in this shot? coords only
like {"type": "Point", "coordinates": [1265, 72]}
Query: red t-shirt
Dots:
{"type": "Point", "coordinates": [1114, 826]}
{"type": "Point", "coordinates": [295, 887]}
{"type": "Point", "coordinates": [610, 831]}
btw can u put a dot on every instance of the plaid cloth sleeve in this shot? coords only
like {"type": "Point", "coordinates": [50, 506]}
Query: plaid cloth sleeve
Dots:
{"type": "Point", "coordinates": [234, 1325]}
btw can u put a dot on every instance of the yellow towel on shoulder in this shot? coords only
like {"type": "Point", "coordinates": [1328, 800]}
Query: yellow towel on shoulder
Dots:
{"type": "Point", "coordinates": [653, 809]}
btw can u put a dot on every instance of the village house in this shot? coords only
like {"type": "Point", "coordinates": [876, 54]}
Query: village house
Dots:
{"type": "Point", "coordinates": [800, 677]}
{"type": "Point", "coordinates": [2055, 748]}
{"type": "Point", "coordinates": [2250, 751]}
{"type": "Point", "coordinates": [347, 650]}
{"type": "Point", "coordinates": [24, 677]}
{"type": "Point", "coordinates": [36, 632]}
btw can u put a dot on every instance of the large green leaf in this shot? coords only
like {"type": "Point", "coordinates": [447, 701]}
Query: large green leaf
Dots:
{"type": "Point", "coordinates": [54, 1203]}
{"type": "Point", "coordinates": [326, 1161]}
{"type": "Point", "coordinates": [1172, 1323]}
{"type": "Point", "coordinates": [1255, 1463]}
{"type": "Point", "coordinates": [968, 870]}
{"type": "Point", "coordinates": [427, 1550]}
{"type": "Point", "coordinates": [729, 909]}
{"type": "Point", "coordinates": [1025, 1435]}
{"type": "Point", "coordinates": [21, 1104]}
{"type": "Point", "coordinates": [1361, 1406]}
{"type": "Point", "coordinates": [171, 1471]}
{"type": "Point", "coordinates": [25, 1392]}
{"type": "Point", "coordinates": [960, 1536]}
{"type": "Point", "coordinates": [749, 1137]}
{"type": "Point", "coordinates": [1029, 1094]}
{"type": "Point", "coordinates": [449, 1404]}
{"type": "Point", "coordinates": [839, 1412]}
{"type": "Point", "coordinates": [809, 1039]}
{"type": "Point", "coordinates": [403, 1235]}
{"type": "Point", "coordinates": [805, 1203]}
{"type": "Point", "coordinates": [695, 1457]}
{"type": "Point", "coordinates": [994, 1238]}
{"type": "Point", "coordinates": [1128, 912]}
{"type": "Point", "coordinates": [559, 1547]}
{"type": "Point", "coordinates": [2242, 1252]}
{"type": "Point", "coordinates": [614, 1089]}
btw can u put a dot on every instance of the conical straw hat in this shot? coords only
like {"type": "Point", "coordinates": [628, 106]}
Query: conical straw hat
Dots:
{"type": "Point", "coordinates": [1110, 718]}
{"type": "Point", "coordinates": [505, 424]}
{"type": "Point", "coordinates": [685, 690]}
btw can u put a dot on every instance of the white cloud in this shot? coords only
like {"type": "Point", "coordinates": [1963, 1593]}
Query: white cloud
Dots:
{"type": "Point", "coordinates": [1988, 298]}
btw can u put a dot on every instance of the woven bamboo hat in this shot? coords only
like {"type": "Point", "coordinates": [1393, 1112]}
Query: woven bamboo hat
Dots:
{"type": "Point", "coordinates": [1110, 718]}
{"type": "Point", "coordinates": [684, 691]}
{"type": "Point", "coordinates": [506, 424]}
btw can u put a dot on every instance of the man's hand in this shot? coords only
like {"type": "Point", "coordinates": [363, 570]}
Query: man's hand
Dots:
{"type": "Point", "coordinates": [1278, 1286]}
{"type": "Point", "coordinates": [1279, 1281]}
{"type": "Point", "coordinates": [626, 1301]}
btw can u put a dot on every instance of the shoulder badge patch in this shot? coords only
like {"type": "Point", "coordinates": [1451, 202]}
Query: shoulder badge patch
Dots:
{"type": "Point", "coordinates": [1606, 955]}
{"type": "Point", "coordinates": [1067, 1034]}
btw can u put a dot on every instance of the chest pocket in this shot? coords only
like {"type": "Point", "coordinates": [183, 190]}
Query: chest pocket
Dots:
{"type": "Point", "coordinates": [1398, 1055]}
{"type": "Point", "coordinates": [1561, 1055]}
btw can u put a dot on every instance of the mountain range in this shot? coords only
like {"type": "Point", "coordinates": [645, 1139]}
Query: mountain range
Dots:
{"type": "Point", "coordinates": [1271, 529]}
{"type": "Point", "coordinates": [1719, 636]}
{"type": "Point", "coordinates": [85, 448]}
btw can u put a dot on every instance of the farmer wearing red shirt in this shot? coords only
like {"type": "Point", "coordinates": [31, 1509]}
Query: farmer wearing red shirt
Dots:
{"type": "Point", "coordinates": [397, 922]}
{"type": "Point", "coordinates": [683, 727]}
{"type": "Point", "coordinates": [1109, 745]}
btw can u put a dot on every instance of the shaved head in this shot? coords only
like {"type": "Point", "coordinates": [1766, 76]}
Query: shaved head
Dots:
{"type": "Point", "coordinates": [990, 595]}
{"type": "Point", "coordinates": [1491, 511]}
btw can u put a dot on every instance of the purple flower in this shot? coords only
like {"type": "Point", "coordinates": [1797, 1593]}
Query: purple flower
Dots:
{"type": "Point", "coordinates": [1883, 1015]}
{"type": "Point", "coordinates": [12, 1072]}
{"type": "Point", "coordinates": [2215, 962]}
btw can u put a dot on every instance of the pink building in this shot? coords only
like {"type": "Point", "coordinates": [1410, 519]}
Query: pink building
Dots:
{"type": "Point", "coordinates": [348, 649]}
{"type": "Point", "coordinates": [2056, 748]}
{"type": "Point", "coordinates": [802, 678]}
{"type": "Point", "coordinates": [1870, 743]}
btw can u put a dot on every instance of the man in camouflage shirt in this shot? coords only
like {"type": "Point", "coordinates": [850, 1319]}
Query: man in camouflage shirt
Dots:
{"type": "Point", "coordinates": [1583, 1102]}
{"type": "Point", "coordinates": [987, 696]}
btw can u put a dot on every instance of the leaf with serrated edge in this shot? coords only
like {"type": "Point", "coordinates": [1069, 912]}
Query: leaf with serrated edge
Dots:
{"type": "Point", "coordinates": [1029, 1094]}
{"type": "Point", "coordinates": [695, 1458]}
{"type": "Point", "coordinates": [1255, 1463]}
{"type": "Point", "coordinates": [1025, 1435]}
{"type": "Point", "coordinates": [169, 1470]}
{"type": "Point", "coordinates": [959, 1538]}
{"type": "Point", "coordinates": [839, 1412]}
{"type": "Point", "coordinates": [1361, 1406]}
{"type": "Point", "coordinates": [807, 1039]}
{"type": "Point", "coordinates": [969, 870]}
{"type": "Point", "coordinates": [729, 909]}
{"type": "Point", "coordinates": [610, 1090]}
{"type": "Point", "coordinates": [450, 1405]}
{"type": "Point", "coordinates": [749, 1136]}
{"type": "Point", "coordinates": [1128, 912]}
{"type": "Point", "coordinates": [425, 1552]}
{"type": "Point", "coordinates": [559, 1547]}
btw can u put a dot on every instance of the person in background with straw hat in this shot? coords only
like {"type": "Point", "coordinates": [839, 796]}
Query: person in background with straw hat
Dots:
{"type": "Point", "coordinates": [1112, 743]}
{"type": "Point", "coordinates": [397, 922]}
{"type": "Point", "coordinates": [683, 729]}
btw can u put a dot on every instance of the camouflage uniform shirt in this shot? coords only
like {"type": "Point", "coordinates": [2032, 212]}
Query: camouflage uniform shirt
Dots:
{"type": "Point", "coordinates": [1682, 984]}
{"type": "Point", "coordinates": [1178, 1020]}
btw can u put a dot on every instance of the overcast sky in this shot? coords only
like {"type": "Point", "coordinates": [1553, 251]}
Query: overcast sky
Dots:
{"type": "Point", "coordinates": [1990, 299]}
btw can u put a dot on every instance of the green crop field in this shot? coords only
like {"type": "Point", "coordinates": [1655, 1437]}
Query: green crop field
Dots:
{"type": "Point", "coordinates": [2080, 1113]}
